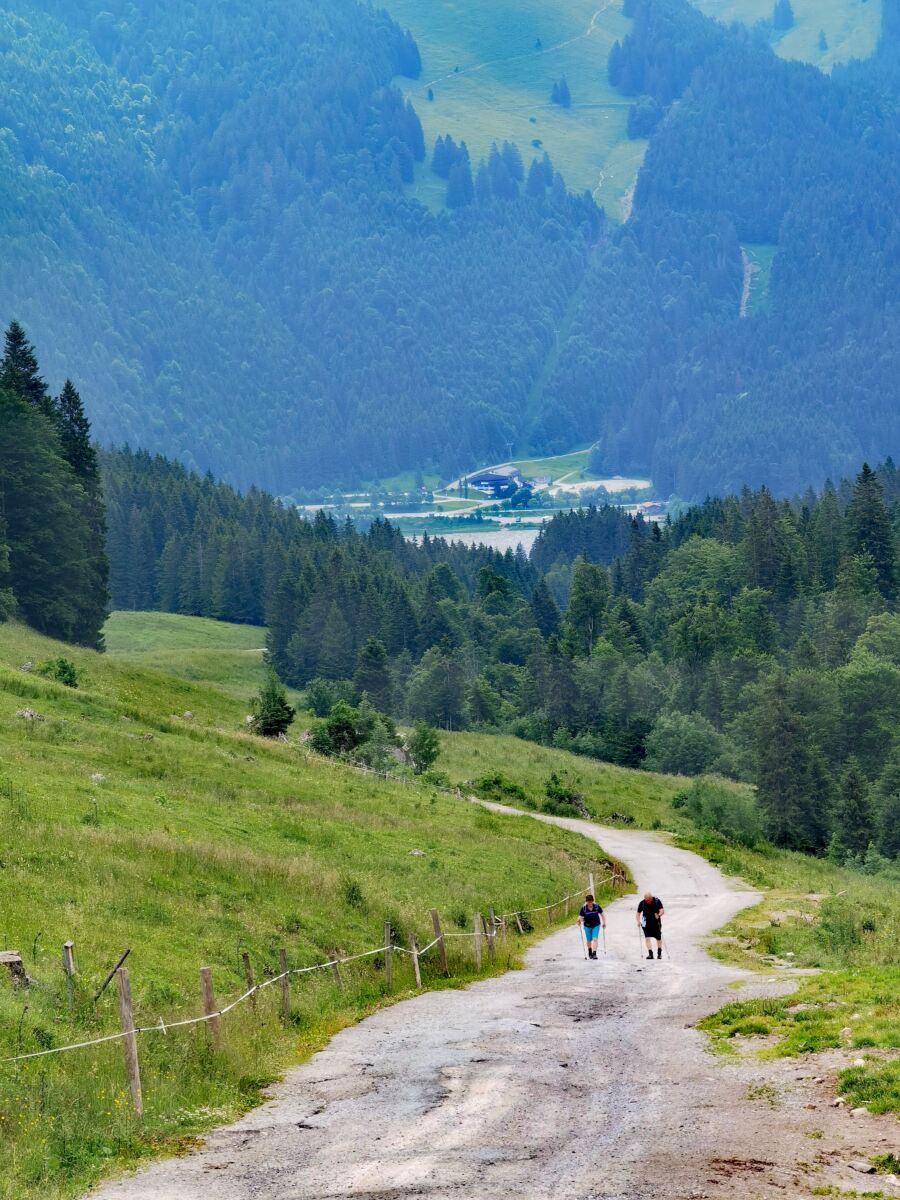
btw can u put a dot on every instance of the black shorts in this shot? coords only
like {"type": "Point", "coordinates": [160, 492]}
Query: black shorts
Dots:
{"type": "Point", "coordinates": [653, 929]}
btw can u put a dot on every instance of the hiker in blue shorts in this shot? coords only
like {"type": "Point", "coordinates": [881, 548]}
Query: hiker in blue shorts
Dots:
{"type": "Point", "coordinates": [590, 919]}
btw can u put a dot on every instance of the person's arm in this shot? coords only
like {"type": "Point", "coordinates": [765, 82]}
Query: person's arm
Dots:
{"type": "Point", "coordinates": [637, 917]}
{"type": "Point", "coordinates": [662, 910]}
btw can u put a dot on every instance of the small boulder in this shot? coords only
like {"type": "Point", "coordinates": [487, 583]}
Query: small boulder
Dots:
{"type": "Point", "coordinates": [417, 853]}
{"type": "Point", "coordinates": [188, 715]}
{"type": "Point", "coordinates": [859, 1112]}
{"type": "Point", "coordinates": [859, 1062]}
{"type": "Point", "coordinates": [29, 714]}
{"type": "Point", "coordinates": [98, 777]}
{"type": "Point", "coordinates": [864, 1168]}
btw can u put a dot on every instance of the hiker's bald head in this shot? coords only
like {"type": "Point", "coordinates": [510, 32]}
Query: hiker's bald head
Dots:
{"type": "Point", "coordinates": [648, 896]}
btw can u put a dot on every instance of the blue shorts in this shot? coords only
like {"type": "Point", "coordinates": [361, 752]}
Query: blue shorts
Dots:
{"type": "Point", "coordinates": [591, 935]}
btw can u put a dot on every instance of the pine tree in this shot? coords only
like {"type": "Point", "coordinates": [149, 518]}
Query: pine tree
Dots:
{"type": "Point", "coordinates": [373, 675]}
{"type": "Point", "coordinates": [869, 530]}
{"type": "Point", "coordinates": [543, 606]}
{"type": "Point", "coordinates": [853, 819]}
{"type": "Point", "coordinates": [271, 713]}
{"type": "Point", "coordinates": [483, 195]}
{"type": "Point", "coordinates": [888, 808]}
{"type": "Point", "coordinates": [787, 780]}
{"type": "Point", "coordinates": [783, 15]}
{"type": "Point", "coordinates": [19, 372]}
{"type": "Point", "coordinates": [536, 184]}
{"type": "Point", "coordinates": [512, 160]}
{"type": "Point", "coordinates": [335, 658]}
{"type": "Point", "coordinates": [460, 188]}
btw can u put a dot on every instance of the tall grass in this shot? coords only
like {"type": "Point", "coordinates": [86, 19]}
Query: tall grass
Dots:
{"type": "Point", "coordinates": [127, 823]}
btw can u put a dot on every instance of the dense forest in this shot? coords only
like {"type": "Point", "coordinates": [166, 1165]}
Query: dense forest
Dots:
{"type": "Point", "coordinates": [53, 567]}
{"type": "Point", "coordinates": [758, 152]}
{"type": "Point", "coordinates": [755, 638]}
{"type": "Point", "coordinates": [211, 219]}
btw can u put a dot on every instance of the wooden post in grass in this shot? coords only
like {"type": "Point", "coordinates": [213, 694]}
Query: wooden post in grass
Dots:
{"type": "Point", "coordinates": [129, 1042]}
{"type": "Point", "coordinates": [591, 883]}
{"type": "Point", "coordinates": [388, 956]}
{"type": "Point", "coordinates": [568, 898]}
{"type": "Point", "coordinates": [285, 985]}
{"type": "Point", "coordinates": [490, 930]}
{"type": "Point", "coordinates": [336, 969]}
{"type": "Point", "coordinates": [519, 923]}
{"type": "Point", "coordinates": [249, 978]}
{"type": "Point", "coordinates": [503, 935]}
{"type": "Point", "coordinates": [477, 932]}
{"type": "Point", "coordinates": [68, 962]}
{"type": "Point", "coordinates": [414, 951]}
{"type": "Point", "coordinates": [441, 944]}
{"type": "Point", "coordinates": [210, 1009]}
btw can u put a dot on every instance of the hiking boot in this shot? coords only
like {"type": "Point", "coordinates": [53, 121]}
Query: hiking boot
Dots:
{"type": "Point", "coordinates": [650, 956]}
{"type": "Point", "coordinates": [658, 953]}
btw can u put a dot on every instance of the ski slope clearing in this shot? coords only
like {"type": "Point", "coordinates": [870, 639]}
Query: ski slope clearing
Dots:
{"type": "Point", "coordinates": [569, 1079]}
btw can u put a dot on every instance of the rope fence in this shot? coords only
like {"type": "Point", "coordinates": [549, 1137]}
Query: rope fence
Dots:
{"type": "Point", "coordinates": [212, 1015]}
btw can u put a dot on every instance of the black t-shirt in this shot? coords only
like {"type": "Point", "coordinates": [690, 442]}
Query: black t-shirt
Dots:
{"type": "Point", "coordinates": [650, 912]}
{"type": "Point", "coordinates": [591, 916]}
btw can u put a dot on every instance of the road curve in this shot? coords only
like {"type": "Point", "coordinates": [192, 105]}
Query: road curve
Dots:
{"type": "Point", "coordinates": [570, 1080]}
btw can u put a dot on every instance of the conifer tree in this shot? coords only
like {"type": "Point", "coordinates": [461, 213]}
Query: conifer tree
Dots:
{"type": "Point", "coordinates": [271, 713]}
{"type": "Point", "coordinates": [543, 606]}
{"type": "Point", "coordinates": [869, 530]}
{"type": "Point", "coordinates": [19, 372]}
{"type": "Point", "coordinates": [787, 780]}
{"type": "Point", "coordinates": [853, 818]}
{"type": "Point", "coordinates": [335, 658]}
{"type": "Point", "coordinates": [373, 675]}
{"type": "Point", "coordinates": [783, 15]}
{"type": "Point", "coordinates": [460, 188]}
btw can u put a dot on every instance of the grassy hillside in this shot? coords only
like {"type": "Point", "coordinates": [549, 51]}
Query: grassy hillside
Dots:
{"type": "Point", "coordinates": [851, 27]}
{"type": "Point", "coordinates": [127, 823]}
{"type": "Point", "coordinates": [230, 657]}
{"type": "Point", "coordinates": [491, 68]}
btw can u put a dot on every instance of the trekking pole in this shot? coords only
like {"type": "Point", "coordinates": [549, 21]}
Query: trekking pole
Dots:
{"type": "Point", "coordinates": [665, 945]}
{"type": "Point", "coordinates": [640, 943]}
{"type": "Point", "coordinates": [604, 941]}
{"type": "Point", "coordinates": [583, 939]}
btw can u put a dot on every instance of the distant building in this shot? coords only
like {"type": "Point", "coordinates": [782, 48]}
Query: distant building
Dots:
{"type": "Point", "coordinates": [499, 482]}
{"type": "Point", "coordinates": [652, 508]}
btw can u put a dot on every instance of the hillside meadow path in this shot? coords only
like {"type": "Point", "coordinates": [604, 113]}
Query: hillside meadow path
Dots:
{"type": "Point", "coordinates": [570, 1080]}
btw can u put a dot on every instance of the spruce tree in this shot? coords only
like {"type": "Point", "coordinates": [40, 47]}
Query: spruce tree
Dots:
{"type": "Point", "coordinates": [787, 781]}
{"type": "Point", "coordinates": [271, 713]}
{"type": "Point", "coordinates": [19, 372]}
{"type": "Point", "coordinates": [869, 530]}
{"type": "Point", "coordinates": [543, 606]}
{"type": "Point", "coordinates": [373, 675]}
{"type": "Point", "coordinates": [853, 818]}
{"type": "Point", "coordinates": [783, 15]}
{"type": "Point", "coordinates": [335, 659]}
{"type": "Point", "coordinates": [460, 188]}
{"type": "Point", "coordinates": [888, 808]}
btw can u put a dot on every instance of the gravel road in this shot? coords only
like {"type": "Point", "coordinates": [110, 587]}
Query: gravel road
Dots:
{"type": "Point", "coordinates": [570, 1080]}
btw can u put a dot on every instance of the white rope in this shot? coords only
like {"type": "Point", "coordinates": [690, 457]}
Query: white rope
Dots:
{"type": "Point", "coordinates": [164, 1027]}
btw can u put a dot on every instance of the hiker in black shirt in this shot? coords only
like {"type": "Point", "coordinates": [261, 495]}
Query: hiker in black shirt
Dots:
{"type": "Point", "coordinates": [590, 919]}
{"type": "Point", "coordinates": [650, 912]}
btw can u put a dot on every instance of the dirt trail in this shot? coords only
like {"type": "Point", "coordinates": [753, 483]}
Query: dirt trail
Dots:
{"type": "Point", "coordinates": [569, 1080]}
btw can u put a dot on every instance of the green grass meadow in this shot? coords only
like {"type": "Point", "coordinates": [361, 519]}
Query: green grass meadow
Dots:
{"type": "Point", "coordinates": [491, 82]}
{"type": "Point", "coordinates": [851, 27]}
{"type": "Point", "coordinates": [127, 824]}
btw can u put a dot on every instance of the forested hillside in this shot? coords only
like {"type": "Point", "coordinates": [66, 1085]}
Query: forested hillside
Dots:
{"type": "Point", "coordinates": [757, 151]}
{"type": "Point", "coordinates": [756, 638]}
{"type": "Point", "coordinates": [208, 222]}
{"type": "Point", "coordinates": [207, 216]}
{"type": "Point", "coordinates": [53, 567]}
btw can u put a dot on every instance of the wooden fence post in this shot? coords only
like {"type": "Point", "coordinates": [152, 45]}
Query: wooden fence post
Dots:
{"type": "Point", "coordinates": [491, 930]}
{"type": "Point", "coordinates": [248, 977]}
{"type": "Point", "coordinates": [68, 962]}
{"type": "Point", "coordinates": [414, 950]}
{"type": "Point", "coordinates": [503, 935]}
{"type": "Point", "coordinates": [129, 1043]}
{"type": "Point", "coordinates": [591, 883]}
{"type": "Point", "coordinates": [285, 985]}
{"type": "Point", "coordinates": [210, 1009]}
{"type": "Point", "coordinates": [519, 923]}
{"type": "Point", "coordinates": [477, 932]}
{"type": "Point", "coordinates": [388, 956]}
{"type": "Point", "coordinates": [441, 944]}
{"type": "Point", "coordinates": [336, 969]}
